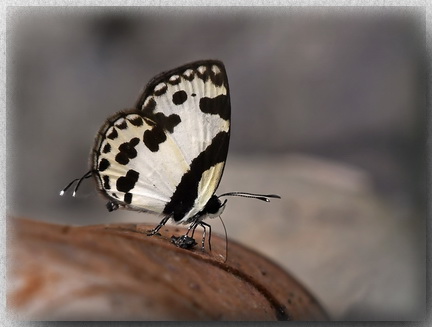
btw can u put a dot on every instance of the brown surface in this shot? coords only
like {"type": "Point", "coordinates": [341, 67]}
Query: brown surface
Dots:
{"type": "Point", "coordinates": [114, 272]}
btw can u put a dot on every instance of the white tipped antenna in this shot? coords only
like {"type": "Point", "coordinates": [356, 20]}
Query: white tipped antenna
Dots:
{"type": "Point", "coordinates": [262, 197]}
{"type": "Point", "coordinates": [86, 175]}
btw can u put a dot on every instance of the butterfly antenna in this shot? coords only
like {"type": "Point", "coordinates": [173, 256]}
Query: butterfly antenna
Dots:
{"type": "Point", "coordinates": [62, 192]}
{"type": "Point", "coordinates": [87, 175]}
{"type": "Point", "coordinates": [226, 239]}
{"type": "Point", "coordinates": [262, 197]}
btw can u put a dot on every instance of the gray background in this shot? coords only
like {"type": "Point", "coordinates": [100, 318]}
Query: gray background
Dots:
{"type": "Point", "coordinates": [328, 110]}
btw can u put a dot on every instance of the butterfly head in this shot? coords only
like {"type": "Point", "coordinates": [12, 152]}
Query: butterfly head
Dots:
{"type": "Point", "coordinates": [214, 207]}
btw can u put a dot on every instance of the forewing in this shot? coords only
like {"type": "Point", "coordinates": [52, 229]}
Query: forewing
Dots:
{"type": "Point", "coordinates": [199, 94]}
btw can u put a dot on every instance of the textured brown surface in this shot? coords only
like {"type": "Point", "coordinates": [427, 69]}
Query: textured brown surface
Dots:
{"type": "Point", "coordinates": [114, 272]}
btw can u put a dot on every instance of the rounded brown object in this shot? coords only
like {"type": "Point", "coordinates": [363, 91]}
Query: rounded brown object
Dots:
{"type": "Point", "coordinates": [117, 272]}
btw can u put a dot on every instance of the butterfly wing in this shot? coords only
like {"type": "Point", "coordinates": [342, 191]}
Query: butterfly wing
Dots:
{"type": "Point", "coordinates": [167, 155]}
{"type": "Point", "coordinates": [127, 171]}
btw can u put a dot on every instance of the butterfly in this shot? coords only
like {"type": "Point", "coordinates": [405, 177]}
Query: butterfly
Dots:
{"type": "Point", "coordinates": [167, 154]}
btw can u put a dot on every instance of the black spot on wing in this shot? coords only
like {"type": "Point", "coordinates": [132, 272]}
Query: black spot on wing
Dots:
{"type": "Point", "coordinates": [190, 76]}
{"type": "Point", "coordinates": [187, 190]}
{"type": "Point", "coordinates": [106, 182]}
{"type": "Point", "coordinates": [152, 138]}
{"type": "Point", "coordinates": [217, 78]}
{"type": "Point", "coordinates": [127, 183]}
{"type": "Point", "coordinates": [106, 148]}
{"type": "Point", "coordinates": [122, 125]}
{"type": "Point", "coordinates": [113, 135]}
{"type": "Point", "coordinates": [179, 97]}
{"type": "Point", "coordinates": [134, 142]}
{"type": "Point", "coordinates": [137, 121]}
{"type": "Point", "coordinates": [203, 73]}
{"type": "Point", "coordinates": [127, 151]}
{"type": "Point", "coordinates": [160, 123]}
{"type": "Point", "coordinates": [128, 198]}
{"type": "Point", "coordinates": [216, 106]}
{"type": "Point", "coordinates": [161, 90]}
{"type": "Point", "coordinates": [168, 123]}
{"type": "Point", "coordinates": [103, 164]}
{"type": "Point", "coordinates": [122, 158]}
{"type": "Point", "coordinates": [150, 105]}
{"type": "Point", "coordinates": [174, 80]}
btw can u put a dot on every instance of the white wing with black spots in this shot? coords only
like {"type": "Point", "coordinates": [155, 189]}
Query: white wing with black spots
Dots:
{"type": "Point", "coordinates": [167, 155]}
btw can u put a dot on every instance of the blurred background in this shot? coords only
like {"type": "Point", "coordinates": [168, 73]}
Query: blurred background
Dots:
{"type": "Point", "coordinates": [328, 111]}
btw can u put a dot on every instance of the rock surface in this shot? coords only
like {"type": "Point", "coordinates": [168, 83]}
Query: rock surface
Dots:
{"type": "Point", "coordinates": [116, 272]}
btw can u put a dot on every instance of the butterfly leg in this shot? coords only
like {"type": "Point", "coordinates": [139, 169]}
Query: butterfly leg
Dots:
{"type": "Point", "coordinates": [192, 227]}
{"type": "Point", "coordinates": [210, 234]}
{"type": "Point", "coordinates": [204, 225]}
{"type": "Point", "coordinates": [203, 237]}
{"type": "Point", "coordinates": [156, 229]}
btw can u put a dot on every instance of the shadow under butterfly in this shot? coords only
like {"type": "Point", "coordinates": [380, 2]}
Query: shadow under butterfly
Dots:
{"type": "Point", "coordinates": [166, 156]}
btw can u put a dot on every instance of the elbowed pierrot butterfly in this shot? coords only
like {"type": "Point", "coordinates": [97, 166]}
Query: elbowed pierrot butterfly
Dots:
{"type": "Point", "coordinates": [167, 154]}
